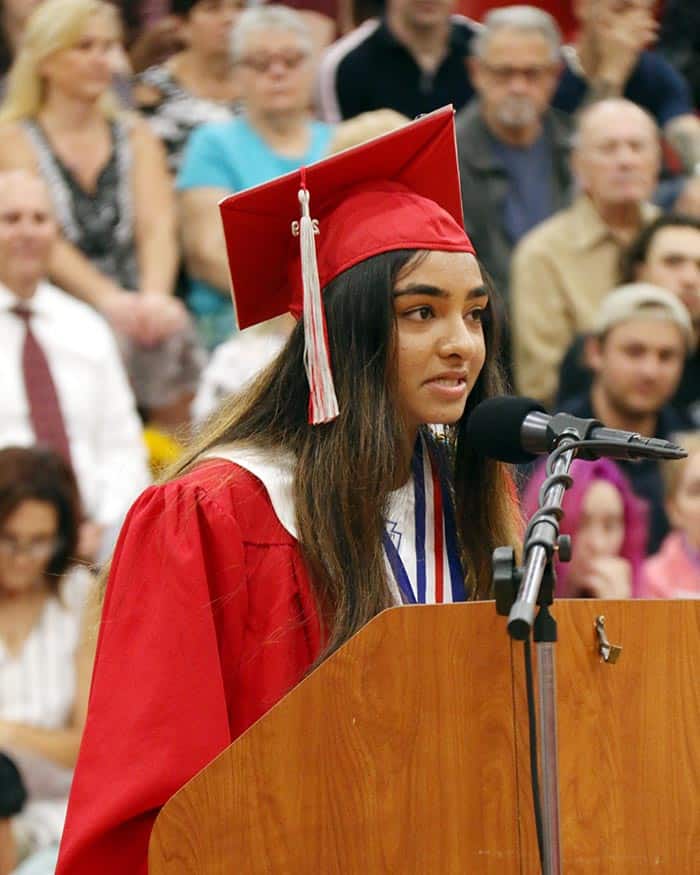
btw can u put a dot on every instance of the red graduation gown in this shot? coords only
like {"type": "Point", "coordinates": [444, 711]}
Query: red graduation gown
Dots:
{"type": "Point", "coordinates": [209, 620]}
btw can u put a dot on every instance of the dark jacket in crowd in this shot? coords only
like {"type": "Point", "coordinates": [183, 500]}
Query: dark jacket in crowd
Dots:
{"type": "Point", "coordinates": [485, 185]}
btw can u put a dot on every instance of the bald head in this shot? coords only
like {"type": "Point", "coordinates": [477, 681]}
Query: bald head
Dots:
{"type": "Point", "coordinates": [27, 231]}
{"type": "Point", "coordinates": [617, 152]}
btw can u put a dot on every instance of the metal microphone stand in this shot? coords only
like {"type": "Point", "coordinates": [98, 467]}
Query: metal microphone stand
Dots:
{"type": "Point", "coordinates": [519, 590]}
{"type": "Point", "coordinates": [534, 583]}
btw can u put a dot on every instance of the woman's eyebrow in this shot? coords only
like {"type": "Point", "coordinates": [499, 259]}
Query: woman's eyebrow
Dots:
{"type": "Point", "coordinates": [437, 292]}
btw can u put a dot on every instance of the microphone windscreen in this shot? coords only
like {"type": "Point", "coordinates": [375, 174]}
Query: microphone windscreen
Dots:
{"type": "Point", "coordinates": [494, 428]}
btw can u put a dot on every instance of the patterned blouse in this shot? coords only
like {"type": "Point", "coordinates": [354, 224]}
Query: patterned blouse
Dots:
{"type": "Point", "coordinates": [179, 112]}
{"type": "Point", "coordinates": [100, 223]}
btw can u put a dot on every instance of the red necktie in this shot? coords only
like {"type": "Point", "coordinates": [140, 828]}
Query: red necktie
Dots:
{"type": "Point", "coordinates": [44, 408]}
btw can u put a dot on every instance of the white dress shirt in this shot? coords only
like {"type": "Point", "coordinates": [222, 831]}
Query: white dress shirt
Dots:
{"type": "Point", "coordinates": [104, 431]}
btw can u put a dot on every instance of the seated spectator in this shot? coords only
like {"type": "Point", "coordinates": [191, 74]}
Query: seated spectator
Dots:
{"type": "Point", "coordinates": [609, 59]}
{"type": "Point", "coordinates": [46, 649]}
{"type": "Point", "coordinates": [674, 572]}
{"type": "Point", "coordinates": [666, 253]}
{"type": "Point", "coordinates": [196, 85]}
{"type": "Point", "coordinates": [607, 524]}
{"type": "Point", "coordinates": [412, 60]}
{"type": "Point", "coordinates": [513, 149]}
{"type": "Point", "coordinates": [562, 269]}
{"type": "Point", "coordinates": [271, 49]}
{"type": "Point", "coordinates": [63, 383]}
{"type": "Point", "coordinates": [112, 196]}
{"type": "Point", "coordinates": [636, 349]}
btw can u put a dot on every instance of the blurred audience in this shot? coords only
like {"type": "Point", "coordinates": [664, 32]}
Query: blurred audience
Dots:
{"type": "Point", "coordinates": [237, 361]}
{"type": "Point", "coordinates": [13, 19]}
{"type": "Point", "coordinates": [666, 253]}
{"type": "Point", "coordinates": [196, 85]}
{"type": "Point", "coordinates": [112, 196]}
{"type": "Point", "coordinates": [513, 149]}
{"type": "Point", "coordinates": [610, 59]}
{"type": "Point", "coordinates": [562, 269]}
{"type": "Point", "coordinates": [63, 382]}
{"type": "Point", "coordinates": [636, 349]}
{"type": "Point", "coordinates": [271, 49]}
{"type": "Point", "coordinates": [413, 60]}
{"type": "Point", "coordinates": [44, 642]}
{"type": "Point", "coordinates": [607, 524]}
{"type": "Point", "coordinates": [674, 572]}
{"type": "Point", "coordinates": [364, 127]}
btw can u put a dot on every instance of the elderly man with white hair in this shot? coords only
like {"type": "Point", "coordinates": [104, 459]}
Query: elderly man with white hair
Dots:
{"type": "Point", "coordinates": [513, 148]}
{"type": "Point", "coordinates": [272, 51]}
{"type": "Point", "coordinates": [563, 268]}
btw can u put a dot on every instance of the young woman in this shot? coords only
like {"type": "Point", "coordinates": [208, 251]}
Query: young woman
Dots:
{"type": "Point", "coordinates": [674, 572]}
{"type": "Point", "coordinates": [111, 192]}
{"type": "Point", "coordinates": [608, 528]}
{"type": "Point", "coordinates": [281, 536]}
{"type": "Point", "coordinates": [45, 658]}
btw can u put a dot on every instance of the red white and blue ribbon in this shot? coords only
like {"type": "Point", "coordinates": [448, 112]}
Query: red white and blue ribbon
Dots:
{"type": "Point", "coordinates": [420, 538]}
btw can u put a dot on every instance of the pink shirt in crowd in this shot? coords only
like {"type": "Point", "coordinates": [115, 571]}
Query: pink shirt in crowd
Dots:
{"type": "Point", "coordinates": [673, 572]}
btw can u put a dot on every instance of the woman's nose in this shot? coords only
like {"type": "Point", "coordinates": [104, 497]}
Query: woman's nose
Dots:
{"type": "Point", "coordinates": [459, 339]}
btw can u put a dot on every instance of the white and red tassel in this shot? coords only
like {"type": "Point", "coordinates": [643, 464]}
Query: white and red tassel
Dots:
{"type": "Point", "coordinates": [323, 404]}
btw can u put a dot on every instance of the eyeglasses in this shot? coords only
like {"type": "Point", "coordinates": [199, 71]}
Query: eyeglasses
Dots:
{"type": "Point", "coordinates": [531, 75]}
{"type": "Point", "coordinates": [38, 548]}
{"type": "Point", "coordinates": [264, 63]}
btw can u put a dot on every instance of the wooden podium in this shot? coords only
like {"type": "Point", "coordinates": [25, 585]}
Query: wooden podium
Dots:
{"type": "Point", "coordinates": [407, 752]}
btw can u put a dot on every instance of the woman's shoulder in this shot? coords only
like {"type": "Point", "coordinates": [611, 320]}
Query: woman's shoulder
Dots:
{"type": "Point", "coordinates": [218, 490]}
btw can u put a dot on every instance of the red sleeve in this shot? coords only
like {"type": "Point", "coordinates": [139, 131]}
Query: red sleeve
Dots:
{"type": "Point", "coordinates": [157, 711]}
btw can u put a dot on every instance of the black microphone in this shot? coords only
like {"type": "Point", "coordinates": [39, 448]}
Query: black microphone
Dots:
{"type": "Point", "coordinates": [516, 430]}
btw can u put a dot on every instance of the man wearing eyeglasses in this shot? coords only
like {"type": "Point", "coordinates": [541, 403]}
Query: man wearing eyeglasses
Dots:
{"type": "Point", "coordinates": [513, 148]}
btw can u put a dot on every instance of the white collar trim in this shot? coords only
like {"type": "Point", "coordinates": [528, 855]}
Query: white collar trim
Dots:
{"type": "Point", "coordinates": [274, 469]}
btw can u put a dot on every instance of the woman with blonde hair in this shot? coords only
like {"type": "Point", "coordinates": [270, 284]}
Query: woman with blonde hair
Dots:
{"type": "Point", "coordinates": [110, 189]}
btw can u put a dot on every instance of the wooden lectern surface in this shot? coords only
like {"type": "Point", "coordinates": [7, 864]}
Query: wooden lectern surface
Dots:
{"type": "Point", "coordinates": [407, 753]}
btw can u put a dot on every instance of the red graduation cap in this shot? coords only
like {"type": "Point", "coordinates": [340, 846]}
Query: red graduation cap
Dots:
{"type": "Point", "coordinates": [287, 239]}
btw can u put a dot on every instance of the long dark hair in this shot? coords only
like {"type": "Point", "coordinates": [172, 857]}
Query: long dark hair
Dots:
{"type": "Point", "coordinates": [30, 473]}
{"type": "Point", "coordinates": [345, 470]}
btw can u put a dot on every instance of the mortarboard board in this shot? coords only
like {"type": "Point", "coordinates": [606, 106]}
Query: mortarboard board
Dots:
{"type": "Point", "coordinates": [397, 191]}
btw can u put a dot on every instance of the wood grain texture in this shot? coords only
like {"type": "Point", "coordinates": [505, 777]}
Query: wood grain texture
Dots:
{"type": "Point", "coordinates": [396, 756]}
{"type": "Point", "coordinates": [407, 753]}
{"type": "Point", "coordinates": [629, 740]}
